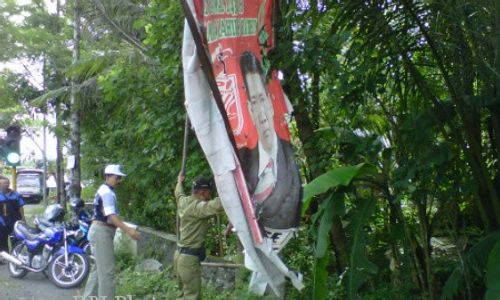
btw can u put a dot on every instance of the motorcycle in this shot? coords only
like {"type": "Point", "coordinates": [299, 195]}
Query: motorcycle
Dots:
{"type": "Point", "coordinates": [80, 222]}
{"type": "Point", "coordinates": [83, 218]}
{"type": "Point", "coordinates": [49, 251]}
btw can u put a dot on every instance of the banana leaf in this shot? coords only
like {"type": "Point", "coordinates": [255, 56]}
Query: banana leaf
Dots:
{"type": "Point", "coordinates": [476, 259]}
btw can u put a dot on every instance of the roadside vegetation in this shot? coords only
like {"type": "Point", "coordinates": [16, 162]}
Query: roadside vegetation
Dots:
{"type": "Point", "coordinates": [396, 126]}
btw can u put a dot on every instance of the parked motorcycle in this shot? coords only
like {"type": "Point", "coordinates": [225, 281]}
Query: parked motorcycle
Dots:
{"type": "Point", "coordinates": [80, 222]}
{"type": "Point", "coordinates": [48, 250]}
{"type": "Point", "coordinates": [83, 219]}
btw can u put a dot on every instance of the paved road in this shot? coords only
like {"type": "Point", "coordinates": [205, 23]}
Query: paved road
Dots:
{"type": "Point", "coordinates": [35, 286]}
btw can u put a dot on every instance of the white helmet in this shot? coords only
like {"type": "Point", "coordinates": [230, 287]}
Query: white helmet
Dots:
{"type": "Point", "coordinates": [113, 170]}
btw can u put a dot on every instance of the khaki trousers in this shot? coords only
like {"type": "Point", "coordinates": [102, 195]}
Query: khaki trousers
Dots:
{"type": "Point", "coordinates": [101, 280]}
{"type": "Point", "coordinates": [188, 271]}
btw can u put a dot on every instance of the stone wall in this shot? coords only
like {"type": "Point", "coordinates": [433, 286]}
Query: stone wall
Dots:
{"type": "Point", "coordinates": [156, 244]}
{"type": "Point", "coordinates": [161, 246]}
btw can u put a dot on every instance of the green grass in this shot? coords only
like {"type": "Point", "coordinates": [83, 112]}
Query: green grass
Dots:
{"type": "Point", "coordinates": [36, 210]}
{"type": "Point", "coordinates": [33, 211]}
{"type": "Point", "coordinates": [162, 285]}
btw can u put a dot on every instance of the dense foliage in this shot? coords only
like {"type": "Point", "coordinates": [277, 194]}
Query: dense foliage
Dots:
{"type": "Point", "coordinates": [396, 124]}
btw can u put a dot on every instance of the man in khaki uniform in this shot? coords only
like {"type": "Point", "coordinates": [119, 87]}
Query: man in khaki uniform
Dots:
{"type": "Point", "coordinates": [193, 212]}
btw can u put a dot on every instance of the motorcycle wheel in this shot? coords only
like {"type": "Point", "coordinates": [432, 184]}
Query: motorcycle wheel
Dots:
{"type": "Point", "coordinates": [20, 251]}
{"type": "Point", "coordinates": [70, 275]}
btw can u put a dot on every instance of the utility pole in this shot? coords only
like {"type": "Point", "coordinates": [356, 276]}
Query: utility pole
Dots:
{"type": "Point", "coordinates": [14, 178]}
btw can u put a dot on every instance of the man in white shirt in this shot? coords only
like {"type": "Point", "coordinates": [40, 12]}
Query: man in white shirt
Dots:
{"type": "Point", "coordinates": [101, 281]}
{"type": "Point", "coordinates": [272, 176]}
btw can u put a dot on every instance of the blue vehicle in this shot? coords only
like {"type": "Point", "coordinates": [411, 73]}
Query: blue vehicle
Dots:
{"type": "Point", "coordinates": [80, 223]}
{"type": "Point", "coordinates": [83, 219]}
{"type": "Point", "coordinates": [49, 250]}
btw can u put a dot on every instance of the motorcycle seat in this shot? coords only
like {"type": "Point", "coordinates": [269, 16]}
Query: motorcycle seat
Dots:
{"type": "Point", "coordinates": [28, 232]}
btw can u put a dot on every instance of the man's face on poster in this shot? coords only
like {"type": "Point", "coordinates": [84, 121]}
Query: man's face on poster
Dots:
{"type": "Point", "coordinates": [261, 109]}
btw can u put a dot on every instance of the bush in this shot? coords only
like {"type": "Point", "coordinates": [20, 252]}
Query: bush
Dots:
{"type": "Point", "coordinates": [149, 285]}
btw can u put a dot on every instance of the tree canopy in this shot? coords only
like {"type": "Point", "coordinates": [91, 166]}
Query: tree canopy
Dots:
{"type": "Point", "coordinates": [396, 125]}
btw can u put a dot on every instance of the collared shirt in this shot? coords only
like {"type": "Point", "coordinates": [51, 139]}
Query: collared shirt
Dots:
{"type": "Point", "coordinates": [10, 203]}
{"type": "Point", "coordinates": [12, 196]}
{"type": "Point", "coordinates": [264, 157]}
{"type": "Point", "coordinates": [268, 172]}
{"type": "Point", "coordinates": [105, 203]}
{"type": "Point", "coordinates": [194, 215]}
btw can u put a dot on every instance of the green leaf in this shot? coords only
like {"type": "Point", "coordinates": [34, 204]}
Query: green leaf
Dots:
{"type": "Point", "coordinates": [493, 274]}
{"type": "Point", "coordinates": [333, 178]}
{"type": "Point", "coordinates": [359, 265]}
{"type": "Point", "coordinates": [333, 206]}
{"type": "Point", "coordinates": [492, 294]}
{"type": "Point", "coordinates": [453, 284]}
{"type": "Point", "coordinates": [476, 259]}
{"type": "Point", "coordinates": [320, 290]}
{"type": "Point", "coordinates": [325, 224]}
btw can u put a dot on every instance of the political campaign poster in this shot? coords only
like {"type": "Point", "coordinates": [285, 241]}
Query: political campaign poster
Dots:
{"type": "Point", "coordinates": [257, 177]}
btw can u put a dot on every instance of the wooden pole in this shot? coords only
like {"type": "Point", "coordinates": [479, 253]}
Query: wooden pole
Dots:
{"type": "Point", "coordinates": [185, 146]}
{"type": "Point", "coordinates": [14, 178]}
{"type": "Point", "coordinates": [183, 170]}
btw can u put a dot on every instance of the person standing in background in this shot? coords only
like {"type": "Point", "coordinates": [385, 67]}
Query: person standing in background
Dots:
{"type": "Point", "coordinates": [11, 210]}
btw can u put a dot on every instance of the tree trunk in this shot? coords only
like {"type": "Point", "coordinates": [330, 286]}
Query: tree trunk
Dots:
{"type": "Point", "coordinates": [412, 246]}
{"type": "Point", "coordinates": [395, 255]}
{"type": "Point", "coordinates": [61, 191]}
{"type": "Point", "coordinates": [410, 241]}
{"type": "Point", "coordinates": [426, 248]}
{"type": "Point", "coordinates": [75, 136]}
{"type": "Point", "coordinates": [61, 186]}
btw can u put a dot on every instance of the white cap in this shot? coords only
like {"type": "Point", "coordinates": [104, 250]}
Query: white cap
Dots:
{"type": "Point", "coordinates": [113, 170]}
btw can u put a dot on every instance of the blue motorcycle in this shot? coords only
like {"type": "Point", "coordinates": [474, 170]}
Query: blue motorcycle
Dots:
{"type": "Point", "coordinates": [82, 224]}
{"type": "Point", "coordinates": [48, 250]}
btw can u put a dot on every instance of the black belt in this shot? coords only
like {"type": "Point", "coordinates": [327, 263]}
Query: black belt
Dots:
{"type": "Point", "coordinates": [198, 252]}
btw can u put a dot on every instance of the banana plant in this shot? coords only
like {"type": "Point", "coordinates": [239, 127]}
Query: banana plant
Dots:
{"type": "Point", "coordinates": [483, 256]}
{"type": "Point", "coordinates": [332, 182]}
